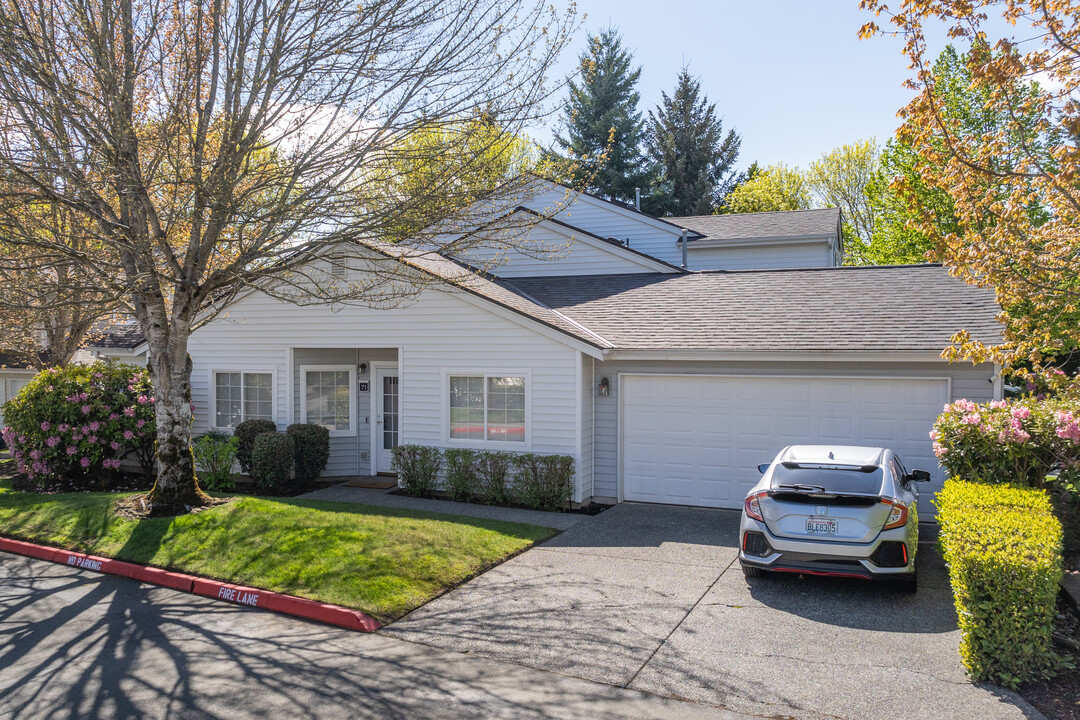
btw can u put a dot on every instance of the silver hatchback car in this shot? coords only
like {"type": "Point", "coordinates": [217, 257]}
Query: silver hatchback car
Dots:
{"type": "Point", "coordinates": [833, 510]}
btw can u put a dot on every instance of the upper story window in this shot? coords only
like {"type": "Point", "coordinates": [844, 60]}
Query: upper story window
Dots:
{"type": "Point", "coordinates": [240, 396]}
{"type": "Point", "coordinates": [487, 408]}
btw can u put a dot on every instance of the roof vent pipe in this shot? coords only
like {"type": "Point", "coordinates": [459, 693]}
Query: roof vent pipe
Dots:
{"type": "Point", "coordinates": [684, 248]}
{"type": "Point", "coordinates": [637, 199]}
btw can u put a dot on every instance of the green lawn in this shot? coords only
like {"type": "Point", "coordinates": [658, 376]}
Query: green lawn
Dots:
{"type": "Point", "coordinates": [382, 561]}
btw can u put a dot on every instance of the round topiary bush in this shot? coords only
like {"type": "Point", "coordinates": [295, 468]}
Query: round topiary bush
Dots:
{"type": "Point", "coordinates": [312, 446]}
{"type": "Point", "coordinates": [246, 432]}
{"type": "Point", "coordinates": [272, 461]}
{"type": "Point", "coordinates": [71, 423]}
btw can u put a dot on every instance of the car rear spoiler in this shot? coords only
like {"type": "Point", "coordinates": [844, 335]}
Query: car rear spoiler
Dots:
{"type": "Point", "coordinates": [791, 465]}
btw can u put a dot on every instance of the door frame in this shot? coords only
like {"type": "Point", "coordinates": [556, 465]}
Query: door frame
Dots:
{"type": "Point", "coordinates": [376, 392]}
{"type": "Point", "coordinates": [620, 412]}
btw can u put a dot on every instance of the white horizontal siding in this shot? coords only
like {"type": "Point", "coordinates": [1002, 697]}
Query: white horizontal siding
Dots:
{"type": "Point", "coordinates": [436, 334]}
{"type": "Point", "coordinates": [967, 381]}
{"type": "Point", "coordinates": [600, 218]}
{"type": "Point", "coordinates": [550, 251]}
{"type": "Point", "coordinates": [758, 257]}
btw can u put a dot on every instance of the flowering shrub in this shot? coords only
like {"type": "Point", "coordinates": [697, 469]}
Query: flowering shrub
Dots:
{"type": "Point", "coordinates": [71, 422]}
{"type": "Point", "coordinates": [1021, 441]}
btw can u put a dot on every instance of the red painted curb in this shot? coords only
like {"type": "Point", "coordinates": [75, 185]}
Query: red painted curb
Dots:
{"type": "Point", "coordinates": [237, 594]}
{"type": "Point", "coordinates": [165, 578]}
{"type": "Point", "coordinates": [29, 549]}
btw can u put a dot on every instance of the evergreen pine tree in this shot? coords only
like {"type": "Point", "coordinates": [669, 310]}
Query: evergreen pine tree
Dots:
{"type": "Point", "coordinates": [602, 128]}
{"type": "Point", "coordinates": [686, 140]}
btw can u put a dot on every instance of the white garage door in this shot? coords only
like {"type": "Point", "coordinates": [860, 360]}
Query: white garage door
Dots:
{"type": "Point", "coordinates": [697, 440]}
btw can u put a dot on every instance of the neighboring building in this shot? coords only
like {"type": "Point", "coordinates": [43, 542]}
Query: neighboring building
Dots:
{"type": "Point", "coordinates": [14, 374]}
{"type": "Point", "coordinates": [666, 384]}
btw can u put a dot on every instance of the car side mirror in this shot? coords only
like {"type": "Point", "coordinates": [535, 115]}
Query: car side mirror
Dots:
{"type": "Point", "coordinates": [919, 476]}
{"type": "Point", "coordinates": [763, 467]}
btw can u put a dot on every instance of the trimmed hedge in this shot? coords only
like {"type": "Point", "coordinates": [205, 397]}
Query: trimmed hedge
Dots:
{"type": "Point", "coordinates": [544, 482]}
{"type": "Point", "coordinates": [461, 480]}
{"type": "Point", "coordinates": [493, 471]}
{"type": "Point", "coordinates": [246, 432]}
{"type": "Point", "coordinates": [272, 461]}
{"type": "Point", "coordinates": [312, 449]}
{"type": "Point", "coordinates": [1003, 548]}
{"type": "Point", "coordinates": [418, 468]}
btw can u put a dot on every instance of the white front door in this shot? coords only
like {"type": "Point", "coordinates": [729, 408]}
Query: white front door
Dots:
{"type": "Point", "coordinates": [387, 416]}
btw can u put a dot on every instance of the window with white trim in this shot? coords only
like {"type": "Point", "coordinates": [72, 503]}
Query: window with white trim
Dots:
{"type": "Point", "coordinates": [240, 396]}
{"type": "Point", "coordinates": [328, 397]}
{"type": "Point", "coordinates": [487, 408]}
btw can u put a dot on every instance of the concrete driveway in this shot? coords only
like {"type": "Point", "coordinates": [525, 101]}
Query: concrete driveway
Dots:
{"type": "Point", "coordinates": [75, 644]}
{"type": "Point", "coordinates": [653, 598]}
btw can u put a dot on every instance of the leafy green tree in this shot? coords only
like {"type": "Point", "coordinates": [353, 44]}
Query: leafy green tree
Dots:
{"type": "Point", "coordinates": [840, 178]}
{"type": "Point", "coordinates": [602, 128]}
{"type": "Point", "coordinates": [686, 140]}
{"type": "Point", "coordinates": [777, 187]}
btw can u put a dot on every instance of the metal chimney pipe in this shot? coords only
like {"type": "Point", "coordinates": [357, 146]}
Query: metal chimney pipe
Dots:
{"type": "Point", "coordinates": [684, 248]}
{"type": "Point", "coordinates": [637, 198]}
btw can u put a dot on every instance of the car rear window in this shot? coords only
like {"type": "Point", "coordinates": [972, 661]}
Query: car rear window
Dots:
{"type": "Point", "coordinates": [834, 480]}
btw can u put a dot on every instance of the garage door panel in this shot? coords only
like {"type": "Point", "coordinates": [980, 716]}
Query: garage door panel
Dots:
{"type": "Point", "coordinates": [698, 439]}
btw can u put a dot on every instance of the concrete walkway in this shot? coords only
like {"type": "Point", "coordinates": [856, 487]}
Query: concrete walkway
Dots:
{"type": "Point", "coordinates": [387, 498]}
{"type": "Point", "coordinates": [75, 644]}
{"type": "Point", "coordinates": [653, 598]}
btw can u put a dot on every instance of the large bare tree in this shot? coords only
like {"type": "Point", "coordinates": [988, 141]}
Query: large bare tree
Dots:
{"type": "Point", "coordinates": [209, 147]}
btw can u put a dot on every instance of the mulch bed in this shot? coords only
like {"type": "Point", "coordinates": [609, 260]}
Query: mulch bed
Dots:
{"type": "Point", "coordinates": [1059, 697]}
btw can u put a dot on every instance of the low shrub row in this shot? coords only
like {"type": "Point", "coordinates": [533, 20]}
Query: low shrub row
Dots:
{"type": "Point", "coordinates": [1003, 548]}
{"type": "Point", "coordinates": [271, 458]}
{"type": "Point", "coordinates": [542, 482]}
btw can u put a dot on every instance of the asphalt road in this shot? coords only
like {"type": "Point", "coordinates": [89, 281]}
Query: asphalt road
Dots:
{"type": "Point", "coordinates": [75, 644]}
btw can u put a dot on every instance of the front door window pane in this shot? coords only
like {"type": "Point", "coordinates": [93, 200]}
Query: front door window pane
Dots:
{"type": "Point", "coordinates": [390, 412]}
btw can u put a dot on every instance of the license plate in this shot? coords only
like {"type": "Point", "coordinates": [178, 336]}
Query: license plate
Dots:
{"type": "Point", "coordinates": [815, 526]}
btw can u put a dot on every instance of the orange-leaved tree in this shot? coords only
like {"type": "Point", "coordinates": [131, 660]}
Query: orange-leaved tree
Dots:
{"type": "Point", "coordinates": [1013, 182]}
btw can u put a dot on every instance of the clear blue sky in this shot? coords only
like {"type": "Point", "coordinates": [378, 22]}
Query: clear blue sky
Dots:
{"type": "Point", "coordinates": [791, 76]}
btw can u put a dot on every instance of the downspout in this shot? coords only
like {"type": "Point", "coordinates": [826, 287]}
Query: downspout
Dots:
{"type": "Point", "coordinates": [684, 248]}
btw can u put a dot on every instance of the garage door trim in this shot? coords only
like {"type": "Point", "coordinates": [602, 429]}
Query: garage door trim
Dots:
{"type": "Point", "coordinates": [778, 376]}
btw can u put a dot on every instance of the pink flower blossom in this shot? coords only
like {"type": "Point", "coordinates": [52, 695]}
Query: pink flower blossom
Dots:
{"type": "Point", "coordinates": [972, 419]}
{"type": "Point", "coordinates": [1068, 426]}
{"type": "Point", "coordinates": [35, 454]}
{"type": "Point", "coordinates": [113, 416]}
{"type": "Point", "coordinates": [85, 461]}
{"type": "Point", "coordinates": [63, 427]}
{"type": "Point", "coordinates": [99, 375]}
{"type": "Point", "coordinates": [114, 445]}
{"type": "Point", "coordinates": [94, 426]}
{"type": "Point", "coordinates": [45, 426]}
{"type": "Point", "coordinates": [71, 450]}
{"type": "Point", "coordinates": [140, 423]}
{"type": "Point", "coordinates": [939, 449]}
{"type": "Point", "coordinates": [52, 441]}
{"type": "Point", "coordinates": [142, 399]}
{"type": "Point", "coordinates": [92, 439]}
{"type": "Point", "coordinates": [128, 435]}
{"type": "Point", "coordinates": [934, 435]}
{"type": "Point", "coordinates": [999, 404]}
{"type": "Point", "coordinates": [1022, 412]}
{"type": "Point", "coordinates": [129, 411]}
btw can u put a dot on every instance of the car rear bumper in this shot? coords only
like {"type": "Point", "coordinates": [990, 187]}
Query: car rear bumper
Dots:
{"type": "Point", "coordinates": [881, 558]}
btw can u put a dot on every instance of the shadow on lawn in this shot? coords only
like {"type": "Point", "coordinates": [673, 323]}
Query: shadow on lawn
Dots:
{"type": "Point", "coordinates": [75, 645]}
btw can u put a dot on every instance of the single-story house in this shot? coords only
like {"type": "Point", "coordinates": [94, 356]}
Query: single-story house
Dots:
{"type": "Point", "coordinates": [666, 383]}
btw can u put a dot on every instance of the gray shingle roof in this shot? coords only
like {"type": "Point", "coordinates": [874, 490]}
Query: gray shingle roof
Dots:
{"type": "Point", "coordinates": [745, 226]}
{"type": "Point", "coordinates": [899, 308]}
{"type": "Point", "coordinates": [123, 333]}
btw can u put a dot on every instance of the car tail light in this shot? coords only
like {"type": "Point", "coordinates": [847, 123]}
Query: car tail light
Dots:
{"type": "Point", "coordinates": [897, 515]}
{"type": "Point", "coordinates": [752, 505]}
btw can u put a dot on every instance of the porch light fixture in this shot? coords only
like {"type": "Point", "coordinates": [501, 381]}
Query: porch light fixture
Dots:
{"type": "Point", "coordinates": [362, 369]}
{"type": "Point", "coordinates": [604, 389]}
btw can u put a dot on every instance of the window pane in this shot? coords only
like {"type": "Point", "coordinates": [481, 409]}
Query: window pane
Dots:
{"type": "Point", "coordinates": [258, 396]}
{"type": "Point", "coordinates": [506, 409]}
{"type": "Point", "coordinates": [327, 398]}
{"type": "Point", "coordinates": [467, 408]}
{"type": "Point", "coordinates": [227, 399]}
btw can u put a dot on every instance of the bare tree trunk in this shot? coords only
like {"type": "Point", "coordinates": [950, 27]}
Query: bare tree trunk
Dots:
{"type": "Point", "coordinates": [176, 489]}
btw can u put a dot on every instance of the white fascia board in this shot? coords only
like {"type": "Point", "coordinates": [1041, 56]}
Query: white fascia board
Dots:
{"type": "Point", "coordinates": [778, 240]}
{"type": "Point", "coordinates": [783, 356]}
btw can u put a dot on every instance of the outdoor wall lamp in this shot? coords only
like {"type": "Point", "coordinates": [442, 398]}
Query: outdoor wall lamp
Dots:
{"type": "Point", "coordinates": [604, 389]}
{"type": "Point", "coordinates": [363, 368]}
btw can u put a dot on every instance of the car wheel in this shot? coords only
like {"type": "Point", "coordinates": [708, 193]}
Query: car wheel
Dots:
{"type": "Point", "coordinates": [752, 572]}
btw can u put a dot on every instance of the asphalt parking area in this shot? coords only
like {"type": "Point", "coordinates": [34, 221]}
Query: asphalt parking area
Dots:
{"type": "Point", "coordinates": [653, 598]}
